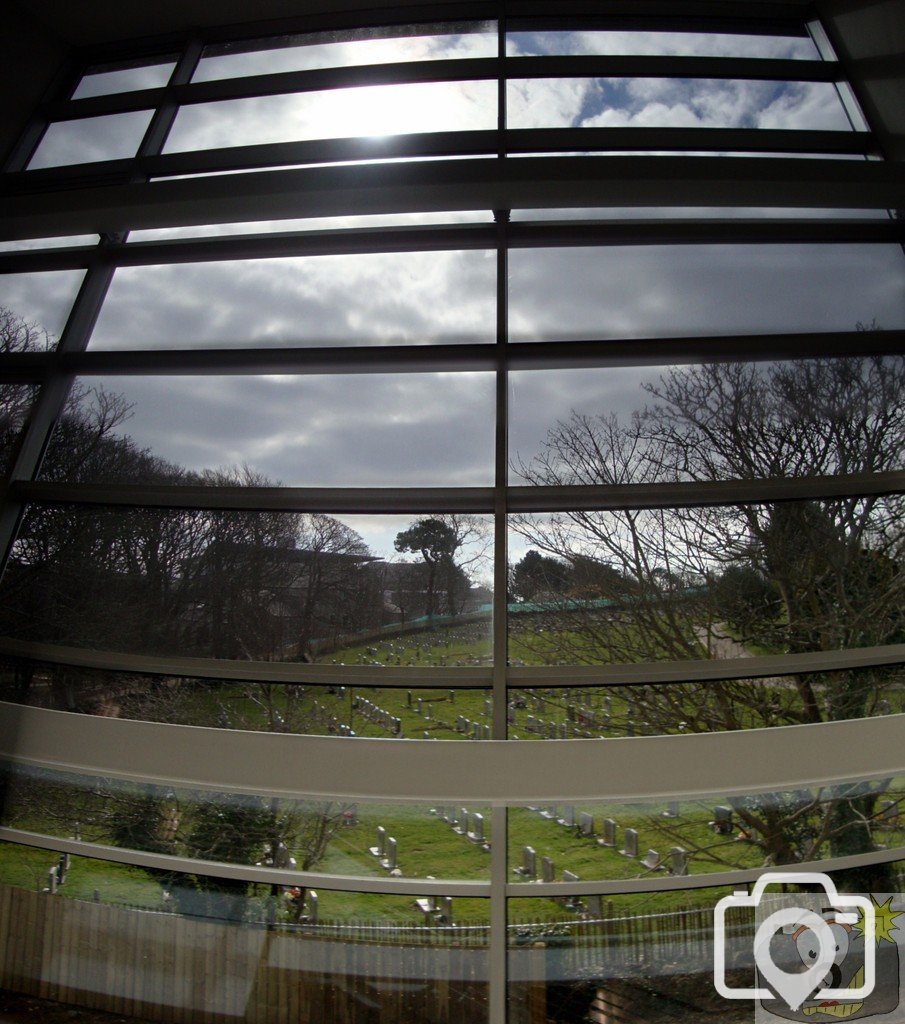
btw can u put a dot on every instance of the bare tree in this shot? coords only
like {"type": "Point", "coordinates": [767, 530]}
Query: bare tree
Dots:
{"type": "Point", "coordinates": [830, 572]}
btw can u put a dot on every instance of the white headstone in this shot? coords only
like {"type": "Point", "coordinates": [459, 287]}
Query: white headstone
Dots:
{"type": "Point", "coordinates": [631, 843]}
{"type": "Point", "coordinates": [546, 868]}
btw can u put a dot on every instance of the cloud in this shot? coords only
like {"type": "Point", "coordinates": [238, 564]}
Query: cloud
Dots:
{"type": "Point", "coordinates": [43, 298]}
{"type": "Point", "coordinates": [389, 298]}
{"type": "Point", "coordinates": [353, 430]}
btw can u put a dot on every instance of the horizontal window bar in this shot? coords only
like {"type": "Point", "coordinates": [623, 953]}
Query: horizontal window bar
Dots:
{"type": "Point", "coordinates": [672, 883]}
{"type": "Point", "coordinates": [435, 238]}
{"type": "Point", "coordinates": [685, 494]}
{"type": "Point", "coordinates": [432, 144]}
{"type": "Point", "coordinates": [529, 183]}
{"type": "Point", "coordinates": [26, 367]}
{"type": "Point", "coordinates": [424, 771]}
{"type": "Point", "coordinates": [288, 673]}
{"type": "Point", "coordinates": [643, 673]}
{"type": "Point", "coordinates": [369, 883]}
{"type": "Point", "coordinates": [711, 492]}
{"type": "Point", "coordinates": [245, 873]}
{"type": "Point", "coordinates": [717, 669]}
{"type": "Point", "coordinates": [462, 70]}
{"type": "Point", "coordinates": [290, 499]}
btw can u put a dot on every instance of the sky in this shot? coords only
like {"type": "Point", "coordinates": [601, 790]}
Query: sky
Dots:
{"type": "Point", "coordinates": [437, 429]}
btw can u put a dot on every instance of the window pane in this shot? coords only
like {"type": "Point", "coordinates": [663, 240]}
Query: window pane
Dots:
{"type": "Point", "coordinates": [264, 586]}
{"type": "Point", "coordinates": [673, 102]}
{"type": "Point", "coordinates": [658, 709]}
{"type": "Point", "coordinates": [22, 244]}
{"type": "Point", "coordinates": [103, 83]}
{"type": "Point", "coordinates": [305, 708]}
{"type": "Point", "coordinates": [231, 948]}
{"type": "Point", "coordinates": [34, 308]}
{"type": "Point", "coordinates": [339, 113]}
{"type": "Point", "coordinates": [110, 137]}
{"type": "Point", "coordinates": [687, 290]}
{"type": "Point", "coordinates": [623, 425]}
{"type": "Point", "coordinates": [304, 53]}
{"type": "Point", "coordinates": [384, 298]}
{"type": "Point", "coordinates": [325, 835]}
{"type": "Point", "coordinates": [607, 841]}
{"type": "Point", "coordinates": [311, 431]}
{"type": "Point", "coordinates": [708, 582]}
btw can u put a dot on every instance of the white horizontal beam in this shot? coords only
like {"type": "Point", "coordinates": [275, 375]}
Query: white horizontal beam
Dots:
{"type": "Point", "coordinates": [495, 772]}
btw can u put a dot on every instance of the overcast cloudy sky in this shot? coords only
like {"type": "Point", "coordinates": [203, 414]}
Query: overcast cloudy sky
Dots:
{"type": "Point", "coordinates": [437, 429]}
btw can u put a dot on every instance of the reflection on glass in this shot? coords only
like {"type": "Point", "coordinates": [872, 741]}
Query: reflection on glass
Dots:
{"type": "Point", "coordinates": [673, 102]}
{"type": "Point", "coordinates": [622, 425]}
{"type": "Point", "coordinates": [255, 585]}
{"type": "Point", "coordinates": [110, 137]}
{"type": "Point", "coordinates": [310, 431]}
{"type": "Point", "coordinates": [379, 298]}
{"type": "Point", "coordinates": [566, 712]}
{"type": "Point", "coordinates": [626, 958]}
{"type": "Point", "coordinates": [340, 113]}
{"type": "Point", "coordinates": [650, 957]}
{"type": "Point", "coordinates": [34, 308]}
{"type": "Point", "coordinates": [331, 50]}
{"type": "Point", "coordinates": [687, 290]}
{"type": "Point", "coordinates": [103, 83]}
{"type": "Point", "coordinates": [687, 213]}
{"type": "Point", "coordinates": [333, 836]}
{"type": "Point", "coordinates": [258, 949]}
{"type": "Point", "coordinates": [705, 582]}
{"type": "Point", "coordinates": [373, 220]}
{"type": "Point", "coordinates": [659, 43]}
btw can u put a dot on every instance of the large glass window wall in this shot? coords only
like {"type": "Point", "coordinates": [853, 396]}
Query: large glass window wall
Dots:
{"type": "Point", "coordinates": [411, 441]}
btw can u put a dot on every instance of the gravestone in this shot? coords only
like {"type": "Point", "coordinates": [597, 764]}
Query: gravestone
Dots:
{"type": "Point", "coordinates": [444, 910]}
{"type": "Point", "coordinates": [652, 861]}
{"type": "Point", "coordinates": [609, 833]}
{"type": "Point", "coordinates": [546, 869]}
{"type": "Point", "coordinates": [630, 849]}
{"type": "Point", "coordinates": [568, 816]}
{"type": "Point", "coordinates": [571, 902]}
{"type": "Point", "coordinates": [380, 849]}
{"type": "Point", "coordinates": [722, 820]}
{"type": "Point", "coordinates": [63, 868]}
{"type": "Point", "coordinates": [476, 833]}
{"type": "Point", "coordinates": [52, 879]}
{"type": "Point", "coordinates": [487, 709]}
{"type": "Point", "coordinates": [595, 910]}
{"type": "Point", "coordinates": [529, 863]}
{"type": "Point", "coordinates": [678, 861]}
{"type": "Point", "coordinates": [586, 824]}
{"type": "Point", "coordinates": [408, 698]}
{"type": "Point", "coordinates": [672, 810]}
{"type": "Point", "coordinates": [461, 825]}
{"type": "Point", "coordinates": [389, 861]}
{"type": "Point", "coordinates": [550, 812]}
